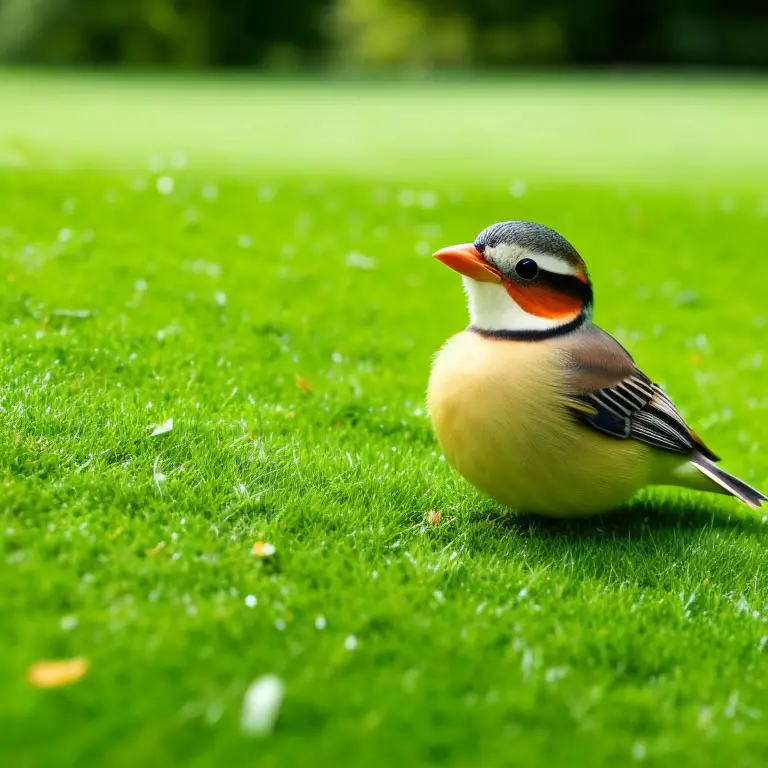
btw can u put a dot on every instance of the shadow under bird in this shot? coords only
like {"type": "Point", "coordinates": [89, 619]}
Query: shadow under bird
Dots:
{"type": "Point", "coordinates": [539, 408]}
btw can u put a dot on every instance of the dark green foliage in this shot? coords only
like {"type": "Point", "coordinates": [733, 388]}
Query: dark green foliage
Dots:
{"type": "Point", "coordinates": [290, 33]}
{"type": "Point", "coordinates": [169, 32]}
{"type": "Point", "coordinates": [713, 32]}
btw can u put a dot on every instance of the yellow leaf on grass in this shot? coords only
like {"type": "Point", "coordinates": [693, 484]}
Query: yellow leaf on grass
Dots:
{"type": "Point", "coordinates": [115, 533]}
{"type": "Point", "coordinates": [56, 672]}
{"type": "Point", "coordinates": [303, 384]}
{"type": "Point", "coordinates": [156, 550]}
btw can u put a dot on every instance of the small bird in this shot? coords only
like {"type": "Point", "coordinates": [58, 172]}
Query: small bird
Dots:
{"type": "Point", "coordinates": [539, 408]}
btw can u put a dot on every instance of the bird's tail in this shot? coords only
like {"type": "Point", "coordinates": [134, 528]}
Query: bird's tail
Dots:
{"type": "Point", "coordinates": [728, 484]}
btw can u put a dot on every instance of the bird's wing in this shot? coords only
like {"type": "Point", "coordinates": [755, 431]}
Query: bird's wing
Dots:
{"type": "Point", "coordinates": [608, 392]}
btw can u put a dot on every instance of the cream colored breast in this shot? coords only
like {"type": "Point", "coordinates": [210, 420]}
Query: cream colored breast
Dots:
{"type": "Point", "coordinates": [498, 412]}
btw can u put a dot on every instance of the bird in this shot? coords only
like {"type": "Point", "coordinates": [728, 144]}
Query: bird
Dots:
{"type": "Point", "coordinates": [538, 407]}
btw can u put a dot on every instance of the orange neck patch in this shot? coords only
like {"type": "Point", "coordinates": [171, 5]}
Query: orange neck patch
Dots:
{"type": "Point", "coordinates": [543, 301]}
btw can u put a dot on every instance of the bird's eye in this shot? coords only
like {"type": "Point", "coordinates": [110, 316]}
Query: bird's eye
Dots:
{"type": "Point", "coordinates": [527, 269]}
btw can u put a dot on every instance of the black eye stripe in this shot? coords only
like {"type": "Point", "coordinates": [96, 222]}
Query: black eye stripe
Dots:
{"type": "Point", "coordinates": [567, 284]}
{"type": "Point", "coordinates": [535, 274]}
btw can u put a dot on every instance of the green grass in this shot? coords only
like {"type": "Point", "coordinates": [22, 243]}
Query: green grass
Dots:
{"type": "Point", "coordinates": [482, 640]}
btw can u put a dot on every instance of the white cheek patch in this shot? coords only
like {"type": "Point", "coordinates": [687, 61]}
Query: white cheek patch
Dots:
{"type": "Point", "coordinates": [492, 309]}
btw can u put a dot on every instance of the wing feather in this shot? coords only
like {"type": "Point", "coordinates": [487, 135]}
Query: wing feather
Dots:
{"type": "Point", "coordinates": [608, 392]}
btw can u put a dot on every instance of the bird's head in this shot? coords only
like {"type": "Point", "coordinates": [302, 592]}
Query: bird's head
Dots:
{"type": "Point", "coordinates": [522, 279]}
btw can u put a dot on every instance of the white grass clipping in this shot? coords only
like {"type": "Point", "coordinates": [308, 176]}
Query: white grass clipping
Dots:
{"type": "Point", "coordinates": [162, 429]}
{"type": "Point", "coordinates": [261, 705]}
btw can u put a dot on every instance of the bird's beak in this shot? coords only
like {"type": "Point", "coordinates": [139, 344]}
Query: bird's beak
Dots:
{"type": "Point", "coordinates": [468, 261]}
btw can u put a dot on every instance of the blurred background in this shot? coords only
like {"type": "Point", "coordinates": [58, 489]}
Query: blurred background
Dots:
{"type": "Point", "coordinates": [408, 35]}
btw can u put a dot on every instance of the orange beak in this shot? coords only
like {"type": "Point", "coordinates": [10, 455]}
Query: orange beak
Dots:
{"type": "Point", "coordinates": [468, 261]}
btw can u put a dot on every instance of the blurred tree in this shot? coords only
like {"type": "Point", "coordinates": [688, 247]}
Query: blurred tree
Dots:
{"type": "Point", "coordinates": [177, 32]}
{"type": "Point", "coordinates": [20, 22]}
{"type": "Point", "coordinates": [382, 34]}
{"type": "Point", "coordinates": [714, 32]}
{"type": "Point", "coordinates": [385, 33]}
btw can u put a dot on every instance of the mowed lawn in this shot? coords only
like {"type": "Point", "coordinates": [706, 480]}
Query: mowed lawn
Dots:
{"type": "Point", "coordinates": [251, 260]}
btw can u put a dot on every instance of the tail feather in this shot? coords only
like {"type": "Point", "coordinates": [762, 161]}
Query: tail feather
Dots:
{"type": "Point", "coordinates": [728, 483]}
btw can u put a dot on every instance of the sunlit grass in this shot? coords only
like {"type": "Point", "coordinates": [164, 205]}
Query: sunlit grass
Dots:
{"type": "Point", "coordinates": [655, 130]}
{"type": "Point", "coordinates": [267, 285]}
